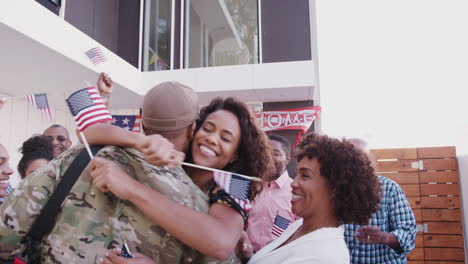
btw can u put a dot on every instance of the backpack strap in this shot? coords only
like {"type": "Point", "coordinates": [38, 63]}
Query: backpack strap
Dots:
{"type": "Point", "coordinates": [46, 220]}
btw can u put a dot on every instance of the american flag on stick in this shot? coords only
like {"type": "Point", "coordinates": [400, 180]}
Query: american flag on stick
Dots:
{"type": "Point", "coordinates": [279, 225]}
{"type": "Point", "coordinates": [96, 55]}
{"type": "Point", "coordinates": [87, 107]}
{"type": "Point", "coordinates": [236, 186]}
{"type": "Point", "coordinates": [125, 251]}
{"type": "Point", "coordinates": [39, 102]}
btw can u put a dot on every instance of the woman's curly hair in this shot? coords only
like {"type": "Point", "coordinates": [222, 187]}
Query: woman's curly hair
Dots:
{"type": "Point", "coordinates": [349, 174]}
{"type": "Point", "coordinates": [36, 147]}
{"type": "Point", "coordinates": [254, 151]}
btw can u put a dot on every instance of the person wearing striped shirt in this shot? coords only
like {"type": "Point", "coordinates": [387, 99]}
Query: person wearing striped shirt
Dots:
{"type": "Point", "coordinates": [8, 190]}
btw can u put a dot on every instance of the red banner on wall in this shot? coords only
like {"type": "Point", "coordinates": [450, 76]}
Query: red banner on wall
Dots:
{"type": "Point", "coordinates": [299, 118]}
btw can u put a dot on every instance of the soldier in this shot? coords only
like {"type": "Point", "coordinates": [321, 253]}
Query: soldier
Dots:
{"type": "Point", "coordinates": [91, 221]}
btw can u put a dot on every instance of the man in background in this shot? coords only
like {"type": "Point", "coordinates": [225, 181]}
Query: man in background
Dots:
{"type": "Point", "coordinates": [271, 211]}
{"type": "Point", "coordinates": [59, 137]}
{"type": "Point", "coordinates": [5, 169]}
{"type": "Point", "coordinates": [391, 233]}
{"type": "Point", "coordinates": [5, 172]}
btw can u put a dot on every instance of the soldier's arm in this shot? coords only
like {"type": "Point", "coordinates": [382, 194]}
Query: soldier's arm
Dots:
{"type": "Point", "coordinates": [156, 149]}
{"type": "Point", "coordinates": [22, 206]}
{"type": "Point", "coordinates": [214, 234]}
{"type": "Point", "coordinates": [106, 134]}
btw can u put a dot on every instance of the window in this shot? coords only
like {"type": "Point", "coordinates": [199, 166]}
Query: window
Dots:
{"type": "Point", "coordinates": [55, 2]}
{"type": "Point", "coordinates": [52, 5]}
{"type": "Point", "coordinates": [222, 32]}
{"type": "Point", "coordinates": [216, 33]}
{"type": "Point", "coordinates": [157, 35]}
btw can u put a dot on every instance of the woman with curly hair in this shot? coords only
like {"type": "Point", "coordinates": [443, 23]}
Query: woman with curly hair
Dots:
{"type": "Point", "coordinates": [226, 137]}
{"type": "Point", "coordinates": [335, 185]}
{"type": "Point", "coordinates": [37, 151]}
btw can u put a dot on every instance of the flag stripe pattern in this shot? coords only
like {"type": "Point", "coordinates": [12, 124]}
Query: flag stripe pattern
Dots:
{"type": "Point", "coordinates": [88, 108]}
{"type": "Point", "coordinates": [237, 187]}
{"type": "Point", "coordinates": [40, 102]}
{"type": "Point", "coordinates": [137, 124]}
{"type": "Point", "coordinates": [125, 252]}
{"type": "Point", "coordinates": [95, 55]}
{"type": "Point", "coordinates": [280, 225]}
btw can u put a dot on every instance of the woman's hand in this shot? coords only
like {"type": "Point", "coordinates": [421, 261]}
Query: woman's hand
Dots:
{"type": "Point", "coordinates": [107, 176]}
{"type": "Point", "coordinates": [375, 235]}
{"type": "Point", "coordinates": [113, 257]}
{"type": "Point", "coordinates": [159, 151]}
{"type": "Point", "coordinates": [370, 235]}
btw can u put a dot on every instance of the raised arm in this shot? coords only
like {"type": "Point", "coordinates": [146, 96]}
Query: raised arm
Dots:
{"type": "Point", "coordinates": [104, 84]}
{"type": "Point", "coordinates": [214, 234]}
{"type": "Point", "coordinates": [106, 134]}
{"type": "Point", "coordinates": [156, 149]}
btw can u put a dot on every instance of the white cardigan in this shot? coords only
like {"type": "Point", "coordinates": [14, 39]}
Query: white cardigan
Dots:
{"type": "Point", "coordinates": [324, 245]}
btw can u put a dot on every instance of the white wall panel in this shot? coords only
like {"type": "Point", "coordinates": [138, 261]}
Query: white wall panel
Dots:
{"type": "Point", "coordinates": [239, 77]}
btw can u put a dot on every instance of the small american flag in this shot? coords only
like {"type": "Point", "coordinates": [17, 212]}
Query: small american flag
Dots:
{"type": "Point", "coordinates": [137, 124]}
{"type": "Point", "coordinates": [87, 107]}
{"type": "Point", "coordinates": [95, 55]}
{"type": "Point", "coordinates": [40, 102]}
{"type": "Point", "coordinates": [279, 225]}
{"type": "Point", "coordinates": [237, 187]}
{"type": "Point", "coordinates": [125, 252]}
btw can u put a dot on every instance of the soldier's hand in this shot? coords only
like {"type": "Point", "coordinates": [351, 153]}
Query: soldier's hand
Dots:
{"type": "Point", "coordinates": [159, 151]}
{"type": "Point", "coordinates": [107, 176]}
{"type": "Point", "coordinates": [112, 257]}
{"type": "Point", "coordinates": [370, 235]}
{"type": "Point", "coordinates": [104, 84]}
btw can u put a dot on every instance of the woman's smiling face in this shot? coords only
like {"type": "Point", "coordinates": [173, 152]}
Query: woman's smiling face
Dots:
{"type": "Point", "coordinates": [311, 194]}
{"type": "Point", "coordinates": [216, 142]}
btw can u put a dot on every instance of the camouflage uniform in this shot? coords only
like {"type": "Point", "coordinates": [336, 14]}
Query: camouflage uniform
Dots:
{"type": "Point", "coordinates": [91, 222]}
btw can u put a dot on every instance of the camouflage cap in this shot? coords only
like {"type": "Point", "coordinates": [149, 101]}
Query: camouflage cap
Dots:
{"type": "Point", "coordinates": [169, 106]}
